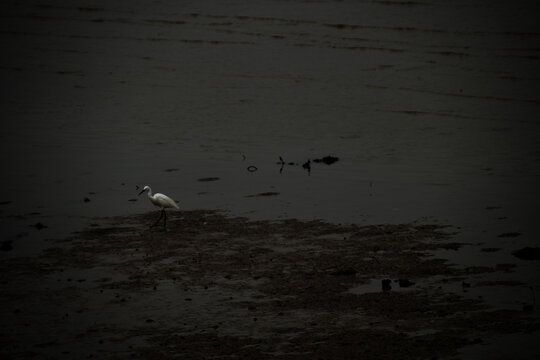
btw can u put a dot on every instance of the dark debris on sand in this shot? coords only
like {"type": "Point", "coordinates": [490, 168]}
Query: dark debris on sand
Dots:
{"type": "Point", "coordinates": [328, 160]}
{"type": "Point", "coordinates": [219, 286]}
{"type": "Point", "coordinates": [527, 253]}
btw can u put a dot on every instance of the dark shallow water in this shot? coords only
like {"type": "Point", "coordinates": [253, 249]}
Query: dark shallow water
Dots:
{"type": "Point", "coordinates": [431, 107]}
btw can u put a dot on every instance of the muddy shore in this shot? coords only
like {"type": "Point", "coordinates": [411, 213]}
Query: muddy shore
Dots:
{"type": "Point", "coordinates": [219, 286]}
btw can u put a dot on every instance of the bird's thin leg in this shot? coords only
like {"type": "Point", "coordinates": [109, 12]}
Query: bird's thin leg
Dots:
{"type": "Point", "coordinates": [157, 222]}
{"type": "Point", "coordinates": [165, 220]}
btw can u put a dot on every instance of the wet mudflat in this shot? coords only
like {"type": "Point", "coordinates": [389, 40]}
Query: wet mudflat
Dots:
{"type": "Point", "coordinates": [213, 285]}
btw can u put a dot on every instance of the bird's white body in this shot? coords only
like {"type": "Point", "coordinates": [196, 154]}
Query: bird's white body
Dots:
{"type": "Point", "coordinates": [162, 201]}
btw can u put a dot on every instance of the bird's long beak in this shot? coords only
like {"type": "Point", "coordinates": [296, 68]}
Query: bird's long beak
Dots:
{"type": "Point", "coordinates": [141, 192]}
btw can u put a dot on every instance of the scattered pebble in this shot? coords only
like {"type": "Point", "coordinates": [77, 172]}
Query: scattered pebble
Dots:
{"type": "Point", "coordinates": [509, 235]}
{"type": "Point", "coordinates": [386, 284]}
{"type": "Point", "coordinates": [38, 226]}
{"type": "Point", "coordinates": [6, 245]}
{"type": "Point", "coordinates": [269, 193]}
{"type": "Point", "coordinates": [490, 249]}
{"type": "Point", "coordinates": [405, 283]}
{"type": "Point", "coordinates": [328, 160]}
{"type": "Point", "coordinates": [207, 179]}
{"type": "Point", "coordinates": [527, 253]}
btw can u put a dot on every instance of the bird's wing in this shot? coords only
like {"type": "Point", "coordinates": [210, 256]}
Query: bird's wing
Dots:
{"type": "Point", "coordinates": [164, 199]}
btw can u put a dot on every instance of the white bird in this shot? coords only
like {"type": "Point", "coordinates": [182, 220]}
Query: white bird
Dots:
{"type": "Point", "coordinates": [162, 201]}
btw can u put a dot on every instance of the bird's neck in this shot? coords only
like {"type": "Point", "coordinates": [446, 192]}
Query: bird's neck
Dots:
{"type": "Point", "coordinates": [150, 193]}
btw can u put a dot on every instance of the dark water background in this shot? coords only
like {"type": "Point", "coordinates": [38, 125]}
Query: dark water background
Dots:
{"type": "Point", "coordinates": [431, 106]}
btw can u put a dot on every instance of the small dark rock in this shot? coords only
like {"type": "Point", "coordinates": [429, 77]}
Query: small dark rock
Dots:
{"type": "Point", "coordinates": [86, 199]}
{"type": "Point", "coordinates": [208, 179]}
{"type": "Point", "coordinates": [405, 283]}
{"type": "Point", "coordinates": [328, 160]}
{"type": "Point", "coordinates": [269, 193]}
{"type": "Point", "coordinates": [39, 226]}
{"type": "Point", "coordinates": [490, 249]}
{"type": "Point", "coordinates": [6, 245]}
{"type": "Point", "coordinates": [527, 253]}
{"type": "Point", "coordinates": [386, 284]}
{"type": "Point", "coordinates": [509, 235]}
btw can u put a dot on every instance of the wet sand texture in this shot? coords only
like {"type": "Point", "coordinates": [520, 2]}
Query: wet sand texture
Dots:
{"type": "Point", "coordinates": [219, 286]}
